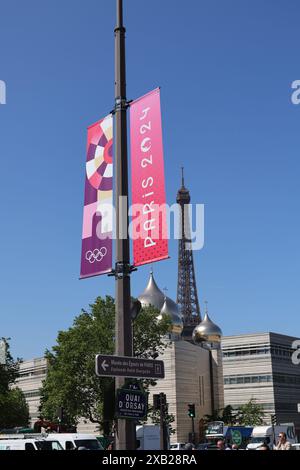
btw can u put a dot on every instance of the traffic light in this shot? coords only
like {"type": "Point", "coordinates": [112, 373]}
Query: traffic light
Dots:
{"type": "Point", "coordinates": [159, 400]}
{"type": "Point", "coordinates": [273, 419]}
{"type": "Point", "coordinates": [60, 413]}
{"type": "Point", "coordinates": [156, 402]}
{"type": "Point", "coordinates": [135, 308]}
{"type": "Point", "coordinates": [163, 399]}
{"type": "Point", "coordinates": [109, 401]}
{"type": "Point", "coordinates": [191, 410]}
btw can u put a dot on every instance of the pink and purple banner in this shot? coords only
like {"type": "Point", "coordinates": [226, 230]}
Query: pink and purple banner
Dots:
{"type": "Point", "coordinates": [149, 223]}
{"type": "Point", "coordinates": [96, 253]}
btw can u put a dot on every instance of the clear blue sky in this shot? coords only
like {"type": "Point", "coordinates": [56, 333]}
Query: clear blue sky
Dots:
{"type": "Point", "coordinates": [225, 68]}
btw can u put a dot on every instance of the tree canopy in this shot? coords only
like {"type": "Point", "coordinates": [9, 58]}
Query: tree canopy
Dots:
{"type": "Point", "coordinates": [13, 407]}
{"type": "Point", "coordinates": [250, 414]}
{"type": "Point", "coordinates": [71, 379]}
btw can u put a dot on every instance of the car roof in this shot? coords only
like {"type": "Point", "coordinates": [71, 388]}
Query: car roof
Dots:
{"type": "Point", "coordinates": [71, 436]}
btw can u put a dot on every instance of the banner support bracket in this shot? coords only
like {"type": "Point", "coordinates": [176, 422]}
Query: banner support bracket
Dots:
{"type": "Point", "coordinates": [122, 270]}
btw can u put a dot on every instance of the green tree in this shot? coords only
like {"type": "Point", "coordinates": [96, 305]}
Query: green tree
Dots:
{"type": "Point", "coordinates": [154, 415]}
{"type": "Point", "coordinates": [71, 380]}
{"type": "Point", "coordinates": [250, 414]}
{"type": "Point", "coordinates": [228, 416]}
{"type": "Point", "coordinates": [9, 371]}
{"type": "Point", "coordinates": [13, 407]}
{"type": "Point", "coordinates": [215, 416]}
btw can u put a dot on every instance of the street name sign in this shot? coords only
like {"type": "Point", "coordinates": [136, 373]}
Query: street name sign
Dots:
{"type": "Point", "coordinates": [123, 366]}
{"type": "Point", "coordinates": [131, 404]}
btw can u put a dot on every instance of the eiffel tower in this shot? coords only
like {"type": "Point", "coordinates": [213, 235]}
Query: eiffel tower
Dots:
{"type": "Point", "coordinates": [187, 297]}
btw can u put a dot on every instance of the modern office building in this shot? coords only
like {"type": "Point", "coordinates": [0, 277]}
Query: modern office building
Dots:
{"type": "Point", "coordinates": [260, 366]}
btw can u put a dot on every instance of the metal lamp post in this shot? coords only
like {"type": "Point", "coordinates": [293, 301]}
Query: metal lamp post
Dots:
{"type": "Point", "coordinates": [125, 436]}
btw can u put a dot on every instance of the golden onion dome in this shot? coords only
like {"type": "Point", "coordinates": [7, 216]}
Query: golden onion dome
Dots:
{"type": "Point", "coordinates": [207, 331]}
{"type": "Point", "coordinates": [171, 309]}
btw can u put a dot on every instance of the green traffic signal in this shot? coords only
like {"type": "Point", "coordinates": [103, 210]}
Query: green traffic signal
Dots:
{"type": "Point", "coordinates": [191, 410]}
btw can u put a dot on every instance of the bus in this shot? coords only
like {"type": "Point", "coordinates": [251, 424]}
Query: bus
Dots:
{"type": "Point", "coordinates": [239, 435]}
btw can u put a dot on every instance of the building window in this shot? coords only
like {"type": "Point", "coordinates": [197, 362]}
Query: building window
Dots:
{"type": "Point", "coordinates": [288, 379]}
{"type": "Point", "coordinates": [32, 394]}
{"type": "Point", "coordinates": [266, 406]}
{"type": "Point", "coordinates": [246, 379]}
{"type": "Point", "coordinates": [281, 352]}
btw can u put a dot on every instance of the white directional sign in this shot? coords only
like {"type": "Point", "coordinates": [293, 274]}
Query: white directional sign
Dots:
{"type": "Point", "coordinates": [122, 366]}
{"type": "Point", "coordinates": [104, 365]}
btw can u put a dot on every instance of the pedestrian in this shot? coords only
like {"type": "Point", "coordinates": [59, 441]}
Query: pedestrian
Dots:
{"type": "Point", "coordinates": [264, 446]}
{"type": "Point", "coordinates": [221, 444]}
{"type": "Point", "coordinates": [283, 443]}
{"type": "Point", "coordinates": [189, 446]}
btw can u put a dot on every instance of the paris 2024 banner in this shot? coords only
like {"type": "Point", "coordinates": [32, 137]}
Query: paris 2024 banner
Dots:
{"type": "Point", "coordinates": [149, 221]}
{"type": "Point", "coordinates": [96, 253]}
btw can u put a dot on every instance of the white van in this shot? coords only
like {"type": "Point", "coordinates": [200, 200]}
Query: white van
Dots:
{"type": "Point", "coordinates": [76, 441]}
{"type": "Point", "coordinates": [269, 435]}
{"type": "Point", "coordinates": [148, 437]}
{"type": "Point", "coordinates": [29, 444]}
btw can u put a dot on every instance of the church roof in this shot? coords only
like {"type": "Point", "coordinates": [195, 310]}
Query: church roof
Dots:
{"type": "Point", "coordinates": [171, 309]}
{"type": "Point", "coordinates": [207, 330]}
{"type": "Point", "coordinates": [152, 295]}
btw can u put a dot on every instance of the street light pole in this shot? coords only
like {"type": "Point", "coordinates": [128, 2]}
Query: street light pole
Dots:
{"type": "Point", "coordinates": [125, 435]}
{"type": "Point", "coordinates": [193, 426]}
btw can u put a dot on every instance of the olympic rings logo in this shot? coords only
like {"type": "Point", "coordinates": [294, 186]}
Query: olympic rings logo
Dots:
{"type": "Point", "coordinates": [96, 255]}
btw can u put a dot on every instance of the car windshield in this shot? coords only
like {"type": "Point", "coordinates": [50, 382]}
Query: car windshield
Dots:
{"type": "Point", "coordinates": [89, 444]}
{"type": "Point", "coordinates": [49, 445]}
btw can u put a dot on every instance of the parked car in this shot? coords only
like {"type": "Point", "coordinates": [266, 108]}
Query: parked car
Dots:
{"type": "Point", "coordinates": [207, 446]}
{"type": "Point", "coordinates": [177, 446]}
{"type": "Point", "coordinates": [296, 446]}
